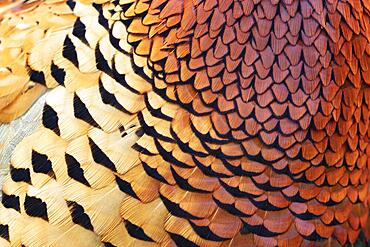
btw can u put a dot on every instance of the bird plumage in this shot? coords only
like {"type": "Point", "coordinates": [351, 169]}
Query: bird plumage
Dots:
{"type": "Point", "coordinates": [188, 123]}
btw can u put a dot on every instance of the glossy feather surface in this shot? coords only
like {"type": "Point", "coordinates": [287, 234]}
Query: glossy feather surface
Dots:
{"type": "Point", "coordinates": [188, 123]}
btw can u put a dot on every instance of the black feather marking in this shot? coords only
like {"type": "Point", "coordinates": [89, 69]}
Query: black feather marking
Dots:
{"type": "Point", "coordinates": [102, 20]}
{"type": "Point", "coordinates": [107, 244]}
{"type": "Point", "coordinates": [11, 201]}
{"type": "Point", "coordinates": [50, 119]}
{"type": "Point", "coordinates": [140, 149]}
{"type": "Point", "coordinates": [155, 112]}
{"type": "Point", "coordinates": [120, 78]}
{"type": "Point", "coordinates": [261, 230]}
{"type": "Point", "coordinates": [184, 184]}
{"type": "Point", "coordinates": [230, 208]}
{"type": "Point", "coordinates": [81, 112]}
{"type": "Point", "coordinates": [42, 164]}
{"type": "Point", "coordinates": [4, 231]}
{"type": "Point", "coordinates": [185, 146]}
{"type": "Point", "coordinates": [35, 207]}
{"type": "Point", "coordinates": [79, 30]}
{"type": "Point", "coordinates": [152, 172]}
{"type": "Point", "coordinates": [181, 241]}
{"type": "Point", "coordinates": [175, 209]}
{"type": "Point", "coordinates": [100, 157]}
{"type": "Point", "coordinates": [69, 51]}
{"type": "Point", "coordinates": [79, 216]}
{"type": "Point", "coordinates": [167, 156]}
{"type": "Point", "coordinates": [235, 191]}
{"type": "Point", "coordinates": [71, 4]}
{"type": "Point", "coordinates": [101, 63]}
{"type": "Point", "coordinates": [114, 41]}
{"type": "Point", "coordinates": [109, 98]}
{"type": "Point", "coordinates": [58, 74]}
{"type": "Point", "coordinates": [314, 236]}
{"type": "Point", "coordinates": [305, 216]}
{"type": "Point", "coordinates": [140, 132]}
{"type": "Point", "coordinates": [126, 187]}
{"type": "Point", "coordinates": [150, 130]}
{"type": "Point", "coordinates": [37, 76]}
{"type": "Point", "coordinates": [74, 170]}
{"type": "Point", "coordinates": [206, 233]}
{"type": "Point", "coordinates": [265, 205]}
{"type": "Point", "coordinates": [122, 130]}
{"type": "Point", "coordinates": [208, 170]}
{"type": "Point", "coordinates": [20, 175]}
{"type": "Point", "coordinates": [137, 232]}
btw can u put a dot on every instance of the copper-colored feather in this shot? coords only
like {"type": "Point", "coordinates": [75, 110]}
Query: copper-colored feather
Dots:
{"type": "Point", "coordinates": [187, 123]}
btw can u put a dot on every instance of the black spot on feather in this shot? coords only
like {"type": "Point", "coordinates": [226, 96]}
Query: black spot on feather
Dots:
{"type": "Point", "coordinates": [58, 74]}
{"type": "Point", "coordinates": [125, 187]}
{"type": "Point", "coordinates": [79, 216]}
{"type": "Point", "coordinates": [206, 233]}
{"type": "Point", "coordinates": [101, 63]}
{"type": "Point", "coordinates": [50, 119]}
{"type": "Point", "coordinates": [41, 164]}
{"type": "Point", "coordinates": [11, 201]}
{"type": "Point", "coordinates": [79, 30]}
{"type": "Point", "coordinates": [181, 241]}
{"type": "Point", "coordinates": [81, 112]}
{"type": "Point", "coordinates": [4, 232]}
{"type": "Point", "coordinates": [69, 51]}
{"type": "Point", "coordinates": [37, 76]}
{"type": "Point", "coordinates": [100, 157]}
{"type": "Point", "coordinates": [71, 4]}
{"type": "Point", "coordinates": [35, 207]}
{"type": "Point", "coordinates": [107, 244]}
{"type": "Point", "coordinates": [74, 170]}
{"type": "Point", "coordinates": [175, 209]}
{"type": "Point", "coordinates": [109, 98]}
{"type": "Point", "coordinates": [20, 175]}
{"type": "Point", "coordinates": [102, 20]}
{"type": "Point", "coordinates": [183, 183]}
{"type": "Point", "coordinates": [153, 173]}
{"type": "Point", "coordinates": [137, 232]}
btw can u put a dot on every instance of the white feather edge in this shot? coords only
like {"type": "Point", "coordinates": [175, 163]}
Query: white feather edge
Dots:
{"type": "Point", "coordinates": [12, 133]}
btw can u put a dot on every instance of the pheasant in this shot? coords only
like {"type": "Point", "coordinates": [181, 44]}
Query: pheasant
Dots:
{"type": "Point", "coordinates": [186, 122]}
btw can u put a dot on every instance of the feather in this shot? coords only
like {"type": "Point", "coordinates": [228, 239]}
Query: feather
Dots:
{"type": "Point", "coordinates": [194, 123]}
